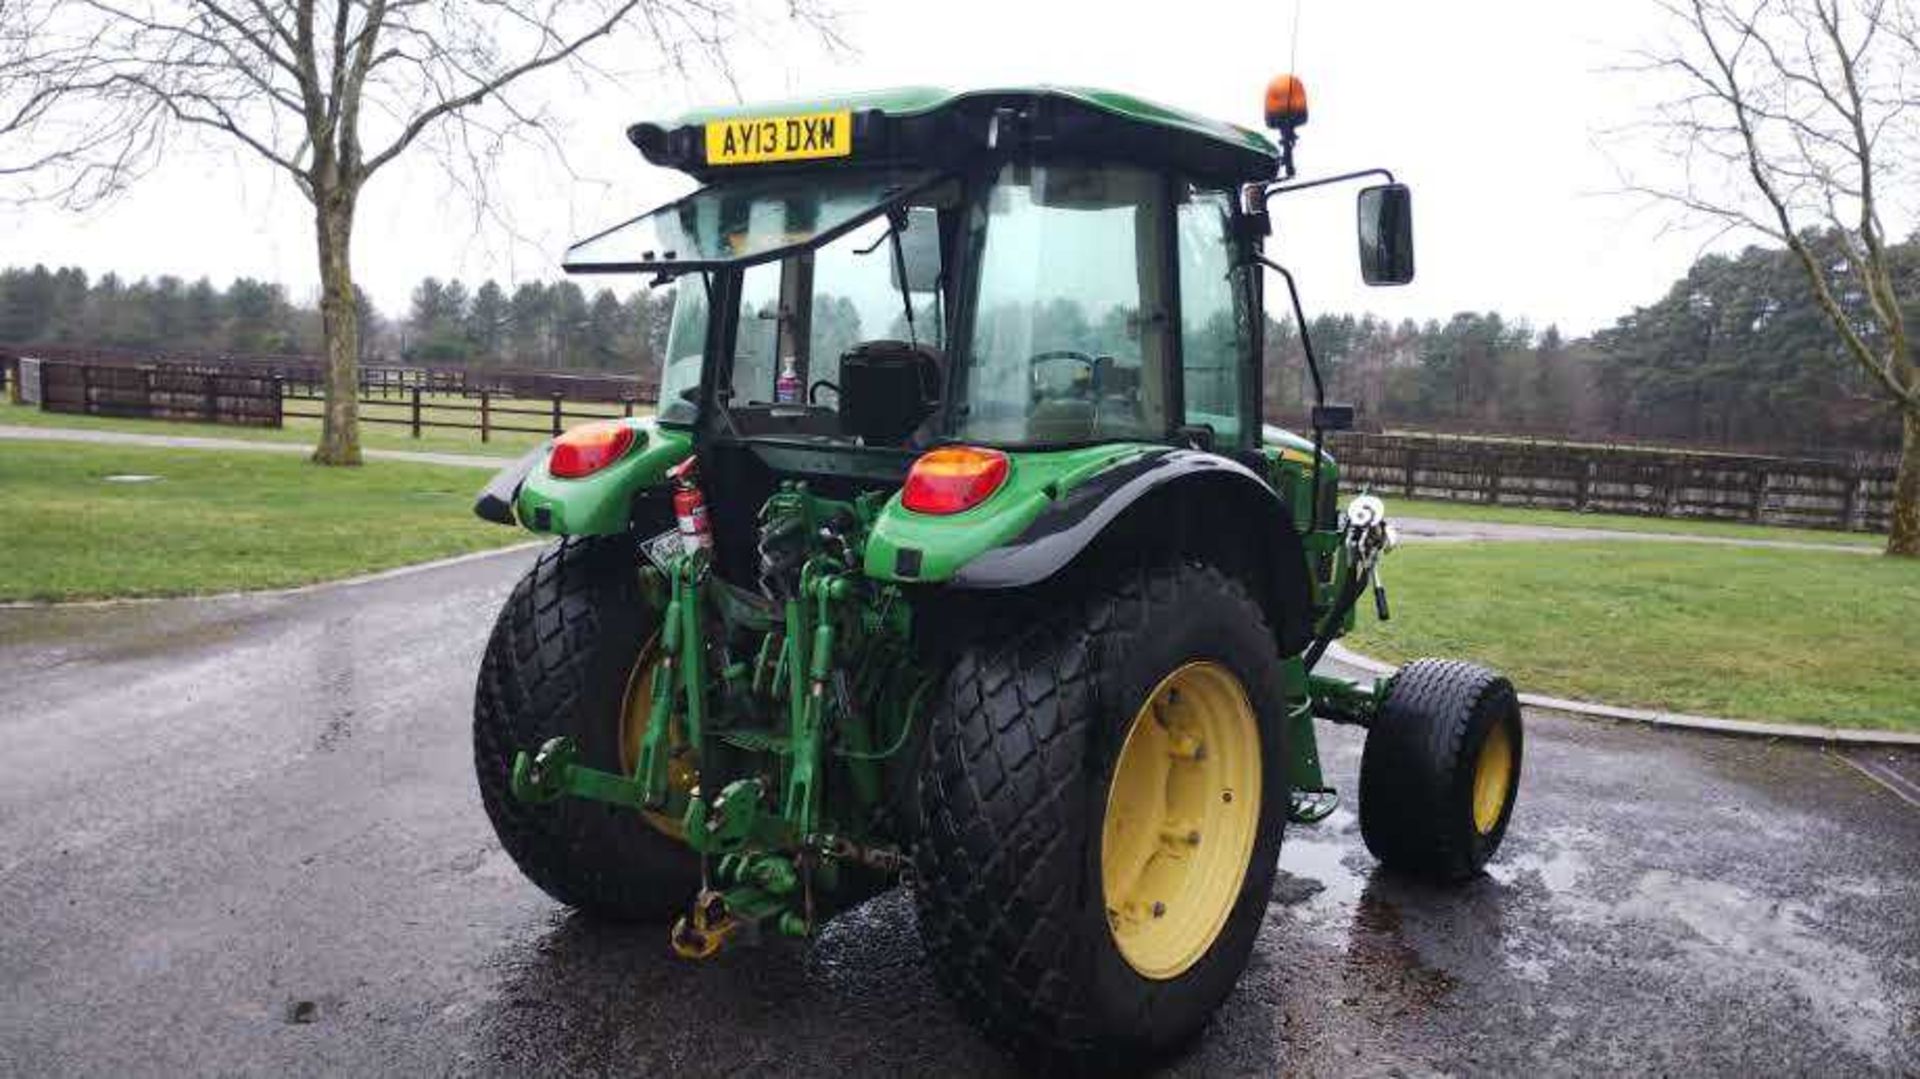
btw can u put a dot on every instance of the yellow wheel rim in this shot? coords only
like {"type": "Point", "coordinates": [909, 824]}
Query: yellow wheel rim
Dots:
{"type": "Point", "coordinates": [1492, 779]}
{"type": "Point", "coordinates": [1182, 813]}
{"type": "Point", "coordinates": [636, 714]}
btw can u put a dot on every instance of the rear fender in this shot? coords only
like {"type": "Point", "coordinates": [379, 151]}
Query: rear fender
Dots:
{"type": "Point", "coordinates": [913, 548]}
{"type": "Point", "coordinates": [1182, 500]}
{"type": "Point", "coordinates": [597, 505]}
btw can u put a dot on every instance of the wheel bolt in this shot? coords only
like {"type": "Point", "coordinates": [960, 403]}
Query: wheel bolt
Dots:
{"type": "Point", "coordinates": [1159, 909]}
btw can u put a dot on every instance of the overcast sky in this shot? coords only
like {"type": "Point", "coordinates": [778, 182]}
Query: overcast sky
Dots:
{"type": "Point", "coordinates": [1496, 111]}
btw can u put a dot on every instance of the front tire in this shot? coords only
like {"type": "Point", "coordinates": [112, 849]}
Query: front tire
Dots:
{"type": "Point", "coordinates": [565, 654]}
{"type": "Point", "coordinates": [1085, 893]}
{"type": "Point", "coordinates": [1441, 769]}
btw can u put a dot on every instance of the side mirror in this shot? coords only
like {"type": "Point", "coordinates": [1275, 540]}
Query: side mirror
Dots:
{"type": "Point", "coordinates": [919, 232]}
{"type": "Point", "coordinates": [1386, 234]}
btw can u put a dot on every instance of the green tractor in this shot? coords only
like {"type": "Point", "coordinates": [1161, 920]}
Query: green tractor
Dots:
{"type": "Point", "coordinates": [957, 556]}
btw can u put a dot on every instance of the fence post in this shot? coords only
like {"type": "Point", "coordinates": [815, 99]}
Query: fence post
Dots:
{"type": "Point", "coordinates": [1583, 484]}
{"type": "Point", "coordinates": [485, 417]}
{"type": "Point", "coordinates": [556, 415]}
{"type": "Point", "coordinates": [416, 411]}
{"type": "Point", "coordinates": [1852, 502]}
{"type": "Point", "coordinates": [209, 397]}
{"type": "Point", "coordinates": [1410, 468]}
{"type": "Point", "coordinates": [626, 407]}
{"type": "Point", "coordinates": [1759, 490]}
{"type": "Point", "coordinates": [86, 390]}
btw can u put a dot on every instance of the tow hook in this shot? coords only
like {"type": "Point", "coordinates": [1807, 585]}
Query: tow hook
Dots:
{"type": "Point", "coordinates": [703, 931]}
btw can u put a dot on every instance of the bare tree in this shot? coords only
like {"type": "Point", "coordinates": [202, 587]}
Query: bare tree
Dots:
{"type": "Point", "coordinates": [1794, 118]}
{"type": "Point", "coordinates": [94, 92]}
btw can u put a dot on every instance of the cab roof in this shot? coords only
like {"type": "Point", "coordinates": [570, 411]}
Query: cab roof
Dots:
{"type": "Point", "coordinates": [933, 126]}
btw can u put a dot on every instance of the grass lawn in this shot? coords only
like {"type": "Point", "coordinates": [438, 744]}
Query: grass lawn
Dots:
{"type": "Point", "coordinates": [1802, 636]}
{"type": "Point", "coordinates": [1469, 511]}
{"type": "Point", "coordinates": [216, 521]}
{"type": "Point", "coordinates": [372, 435]}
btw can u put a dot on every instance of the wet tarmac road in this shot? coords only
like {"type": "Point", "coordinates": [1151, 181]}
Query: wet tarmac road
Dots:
{"type": "Point", "coordinates": [241, 836]}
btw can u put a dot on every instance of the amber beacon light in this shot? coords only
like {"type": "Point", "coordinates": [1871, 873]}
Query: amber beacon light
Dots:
{"type": "Point", "coordinates": [1286, 102]}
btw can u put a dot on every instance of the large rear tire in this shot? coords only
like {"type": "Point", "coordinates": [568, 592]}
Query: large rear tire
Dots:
{"type": "Point", "coordinates": [566, 652]}
{"type": "Point", "coordinates": [1089, 889]}
{"type": "Point", "coordinates": [1441, 769]}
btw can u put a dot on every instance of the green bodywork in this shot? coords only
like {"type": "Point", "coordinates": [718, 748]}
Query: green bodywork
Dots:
{"type": "Point", "coordinates": [1034, 481]}
{"type": "Point", "coordinates": [602, 504]}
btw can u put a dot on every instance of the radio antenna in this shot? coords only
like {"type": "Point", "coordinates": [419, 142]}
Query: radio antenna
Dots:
{"type": "Point", "coordinates": [1293, 48]}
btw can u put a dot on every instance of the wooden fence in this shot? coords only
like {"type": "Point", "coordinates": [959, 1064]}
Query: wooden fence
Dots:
{"type": "Point", "coordinates": [377, 378]}
{"type": "Point", "coordinates": [1643, 482]}
{"type": "Point", "coordinates": [160, 393]}
{"type": "Point", "coordinates": [484, 410]}
{"type": "Point", "coordinates": [1849, 494]}
{"type": "Point", "coordinates": [179, 393]}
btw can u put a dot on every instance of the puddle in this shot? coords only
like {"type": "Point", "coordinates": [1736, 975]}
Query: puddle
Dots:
{"type": "Point", "coordinates": [1321, 879]}
{"type": "Point", "coordinates": [1734, 936]}
{"type": "Point", "coordinates": [1329, 893]}
{"type": "Point", "coordinates": [1556, 863]}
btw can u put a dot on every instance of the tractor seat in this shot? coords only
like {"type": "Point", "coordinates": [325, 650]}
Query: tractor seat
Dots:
{"type": "Point", "coordinates": [887, 390]}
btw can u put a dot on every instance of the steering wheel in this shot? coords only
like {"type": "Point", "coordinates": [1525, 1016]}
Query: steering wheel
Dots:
{"type": "Point", "coordinates": [1086, 359]}
{"type": "Point", "coordinates": [815, 388]}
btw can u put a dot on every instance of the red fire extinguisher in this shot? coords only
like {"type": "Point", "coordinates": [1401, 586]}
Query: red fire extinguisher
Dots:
{"type": "Point", "coordinates": [690, 506]}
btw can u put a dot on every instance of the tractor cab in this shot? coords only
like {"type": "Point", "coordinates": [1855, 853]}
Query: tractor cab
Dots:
{"type": "Point", "coordinates": [1026, 270]}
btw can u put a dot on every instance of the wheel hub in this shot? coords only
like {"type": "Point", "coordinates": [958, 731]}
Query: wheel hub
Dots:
{"type": "Point", "coordinates": [1492, 779]}
{"type": "Point", "coordinates": [1183, 809]}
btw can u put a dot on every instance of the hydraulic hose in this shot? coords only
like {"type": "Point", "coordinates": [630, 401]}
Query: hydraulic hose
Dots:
{"type": "Point", "coordinates": [1323, 638]}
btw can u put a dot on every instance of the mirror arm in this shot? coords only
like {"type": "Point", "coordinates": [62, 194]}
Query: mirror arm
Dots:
{"type": "Point", "coordinates": [1255, 195]}
{"type": "Point", "coordinates": [1313, 371]}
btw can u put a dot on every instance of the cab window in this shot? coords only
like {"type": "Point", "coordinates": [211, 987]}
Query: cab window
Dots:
{"type": "Point", "coordinates": [1070, 338]}
{"type": "Point", "coordinates": [799, 315]}
{"type": "Point", "coordinates": [1215, 322]}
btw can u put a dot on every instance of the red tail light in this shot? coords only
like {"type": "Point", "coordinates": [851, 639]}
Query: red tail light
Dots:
{"type": "Point", "coordinates": [953, 478]}
{"type": "Point", "coordinates": [588, 448]}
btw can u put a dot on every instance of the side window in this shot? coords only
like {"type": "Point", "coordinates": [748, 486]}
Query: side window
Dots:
{"type": "Point", "coordinates": [757, 337]}
{"type": "Point", "coordinates": [1213, 318]}
{"type": "Point", "coordinates": [686, 348]}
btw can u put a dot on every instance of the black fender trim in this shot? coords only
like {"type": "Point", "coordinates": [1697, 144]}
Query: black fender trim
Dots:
{"type": "Point", "coordinates": [1076, 520]}
{"type": "Point", "coordinates": [495, 502]}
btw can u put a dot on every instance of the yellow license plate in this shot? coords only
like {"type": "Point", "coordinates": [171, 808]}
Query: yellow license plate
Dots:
{"type": "Point", "coordinates": [780, 138]}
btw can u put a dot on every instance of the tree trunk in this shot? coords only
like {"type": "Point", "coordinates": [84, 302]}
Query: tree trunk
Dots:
{"type": "Point", "coordinates": [1904, 540]}
{"type": "Point", "coordinates": [340, 320]}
